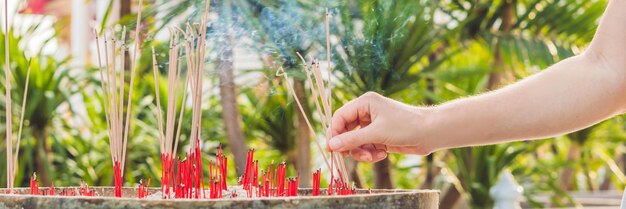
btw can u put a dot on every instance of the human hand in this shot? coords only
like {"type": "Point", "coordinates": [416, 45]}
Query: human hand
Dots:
{"type": "Point", "coordinates": [372, 125]}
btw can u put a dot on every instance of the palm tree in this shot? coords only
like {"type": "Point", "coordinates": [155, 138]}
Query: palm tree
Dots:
{"type": "Point", "coordinates": [387, 55]}
{"type": "Point", "coordinates": [541, 34]}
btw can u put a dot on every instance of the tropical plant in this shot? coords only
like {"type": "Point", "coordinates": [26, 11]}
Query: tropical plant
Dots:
{"type": "Point", "coordinates": [388, 54]}
{"type": "Point", "coordinates": [51, 85]}
{"type": "Point", "coordinates": [517, 42]}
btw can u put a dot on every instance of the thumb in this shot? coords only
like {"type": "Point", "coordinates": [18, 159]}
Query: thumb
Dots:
{"type": "Point", "coordinates": [353, 139]}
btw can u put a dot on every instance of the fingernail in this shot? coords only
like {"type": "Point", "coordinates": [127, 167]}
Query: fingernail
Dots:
{"type": "Point", "coordinates": [334, 143]}
{"type": "Point", "coordinates": [381, 155]}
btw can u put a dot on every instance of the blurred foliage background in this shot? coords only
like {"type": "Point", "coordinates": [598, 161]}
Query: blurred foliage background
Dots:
{"type": "Point", "coordinates": [416, 51]}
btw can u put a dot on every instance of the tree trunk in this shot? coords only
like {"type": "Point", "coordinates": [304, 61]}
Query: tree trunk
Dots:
{"type": "Point", "coordinates": [501, 74]}
{"type": "Point", "coordinates": [449, 199]}
{"type": "Point", "coordinates": [567, 174]}
{"type": "Point", "coordinates": [42, 155]}
{"type": "Point", "coordinates": [352, 169]}
{"type": "Point", "coordinates": [303, 137]}
{"type": "Point", "coordinates": [126, 9]}
{"type": "Point", "coordinates": [607, 181]}
{"type": "Point", "coordinates": [230, 111]}
{"type": "Point", "coordinates": [382, 174]}
{"type": "Point", "coordinates": [430, 171]}
{"type": "Point", "coordinates": [429, 182]}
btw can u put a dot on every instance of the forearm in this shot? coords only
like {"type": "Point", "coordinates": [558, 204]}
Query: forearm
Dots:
{"type": "Point", "coordinates": [566, 97]}
{"type": "Point", "coordinates": [571, 95]}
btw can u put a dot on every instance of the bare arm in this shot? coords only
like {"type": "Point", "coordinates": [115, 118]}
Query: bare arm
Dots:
{"type": "Point", "coordinates": [570, 95]}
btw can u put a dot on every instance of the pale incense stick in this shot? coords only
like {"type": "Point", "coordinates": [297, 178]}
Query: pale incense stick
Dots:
{"type": "Point", "coordinates": [19, 132]}
{"type": "Point", "coordinates": [8, 112]}
{"type": "Point", "coordinates": [171, 136]}
{"type": "Point", "coordinates": [282, 73]}
{"type": "Point", "coordinates": [322, 94]}
{"type": "Point", "coordinates": [118, 124]}
{"type": "Point", "coordinates": [12, 156]}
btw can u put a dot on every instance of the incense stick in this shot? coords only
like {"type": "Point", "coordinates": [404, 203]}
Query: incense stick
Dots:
{"type": "Point", "coordinates": [118, 123]}
{"type": "Point", "coordinates": [170, 137]}
{"type": "Point", "coordinates": [8, 112]}
{"type": "Point", "coordinates": [19, 132]}
{"type": "Point", "coordinates": [193, 44]}
{"type": "Point", "coordinates": [132, 81]}
{"type": "Point", "coordinates": [328, 60]}
{"type": "Point", "coordinates": [281, 72]}
{"type": "Point", "coordinates": [322, 96]}
{"type": "Point", "coordinates": [12, 156]}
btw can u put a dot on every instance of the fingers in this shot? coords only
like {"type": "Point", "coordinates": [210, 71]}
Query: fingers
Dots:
{"type": "Point", "coordinates": [353, 139]}
{"type": "Point", "coordinates": [361, 154]}
{"type": "Point", "coordinates": [356, 112]}
{"type": "Point", "coordinates": [368, 153]}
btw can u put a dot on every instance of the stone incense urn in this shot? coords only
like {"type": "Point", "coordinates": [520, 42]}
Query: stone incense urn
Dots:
{"type": "Point", "coordinates": [375, 198]}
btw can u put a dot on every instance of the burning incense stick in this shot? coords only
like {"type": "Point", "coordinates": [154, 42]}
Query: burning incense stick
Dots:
{"type": "Point", "coordinates": [34, 185]}
{"type": "Point", "coordinates": [281, 72]}
{"type": "Point", "coordinates": [132, 80]}
{"type": "Point", "coordinates": [188, 180]}
{"type": "Point", "coordinates": [169, 139]}
{"type": "Point", "coordinates": [322, 96]}
{"type": "Point", "coordinates": [330, 92]}
{"type": "Point", "coordinates": [12, 156]}
{"type": "Point", "coordinates": [113, 85]}
{"type": "Point", "coordinates": [21, 126]}
{"type": "Point", "coordinates": [8, 112]}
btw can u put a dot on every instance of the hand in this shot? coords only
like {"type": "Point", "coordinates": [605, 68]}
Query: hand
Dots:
{"type": "Point", "coordinates": [372, 125]}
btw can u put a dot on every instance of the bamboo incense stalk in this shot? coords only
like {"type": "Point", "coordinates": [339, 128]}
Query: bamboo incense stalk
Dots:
{"type": "Point", "coordinates": [158, 101]}
{"type": "Point", "coordinates": [313, 90]}
{"type": "Point", "coordinates": [117, 108]}
{"type": "Point", "coordinates": [132, 81]}
{"type": "Point", "coordinates": [19, 132]}
{"type": "Point", "coordinates": [106, 97]}
{"type": "Point", "coordinates": [281, 72]}
{"type": "Point", "coordinates": [189, 171]}
{"type": "Point", "coordinates": [169, 137]}
{"type": "Point", "coordinates": [322, 95]}
{"type": "Point", "coordinates": [7, 74]}
{"type": "Point", "coordinates": [11, 159]}
{"type": "Point", "coordinates": [328, 60]}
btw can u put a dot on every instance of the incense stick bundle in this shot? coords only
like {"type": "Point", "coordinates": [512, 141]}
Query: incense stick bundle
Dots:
{"type": "Point", "coordinates": [169, 139]}
{"type": "Point", "coordinates": [322, 95]}
{"type": "Point", "coordinates": [113, 84]}
{"type": "Point", "coordinates": [193, 46]}
{"type": "Point", "coordinates": [11, 159]}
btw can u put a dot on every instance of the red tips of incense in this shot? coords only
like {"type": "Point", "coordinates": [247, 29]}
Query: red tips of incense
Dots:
{"type": "Point", "coordinates": [85, 191]}
{"type": "Point", "coordinates": [316, 182]}
{"type": "Point", "coordinates": [251, 173]}
{"type": "Point", "coordinates": [117, 178]}
{"type": "Point", "coordinates": [292, 187]}
{"type": "Point", "coordinates": [272, 183]}
{"type": "Point", "coordinates": [52, 189]}
{"type": "Point", "coordinates": [183, 179]}
{"type": "Point", "coordinates": [34, 185]}
{"type": "Point", "coordinates": [188, 180]}
{"type": "Point", "coordinates": [222, 164]}
{"type": "Point", "coordinates": [166, 174]}
{"type": "Point", "coordinates": [245, 180]}
{"type": "Point", "coordinates": [281, 178]}
{"type": "Point", "coordinates": [143, 191]}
